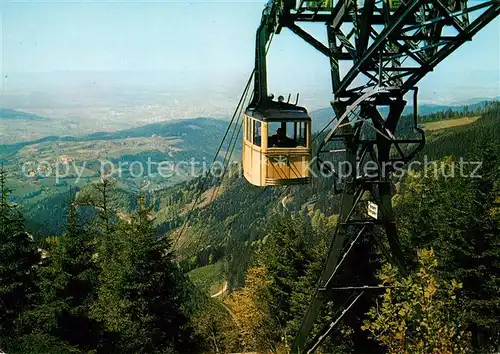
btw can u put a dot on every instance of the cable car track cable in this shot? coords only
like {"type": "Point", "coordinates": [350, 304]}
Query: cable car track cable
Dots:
{"type": "Point", "coordinates": [232, 144]}
{"type": "Point", "coordinates": [205, 179]}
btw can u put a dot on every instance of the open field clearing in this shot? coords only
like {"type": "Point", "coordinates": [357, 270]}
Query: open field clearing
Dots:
{"type": "Point", "coordinates": [209, 278]}
{"type": "Point", "coordinates": [449, 123]}
{"type": "Point", "coordinates": [86, 150]}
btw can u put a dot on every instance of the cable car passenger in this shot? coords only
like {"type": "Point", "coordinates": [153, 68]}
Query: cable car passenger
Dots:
{"type": "Point", "coordinates": [281, 140]}
{"type": "Point", "coordinates": [276, 144]}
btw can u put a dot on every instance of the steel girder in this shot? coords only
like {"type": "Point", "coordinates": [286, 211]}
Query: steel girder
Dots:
{"type": "Point", "coordinates": [387, 46]}
{"type": "Point", "coordinates": [388, 50]}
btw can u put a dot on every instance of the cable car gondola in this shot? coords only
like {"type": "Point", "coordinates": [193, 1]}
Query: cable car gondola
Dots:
{"type": "Point", "coordinates": [277, 134]}
{"type": "Point", "coordinates": [276, 144]}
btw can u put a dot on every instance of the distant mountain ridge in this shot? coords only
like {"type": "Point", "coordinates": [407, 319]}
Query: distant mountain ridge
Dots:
{"type": "Point", "coordinates": [323, 116]}
{"type": "Point", "coordinates": [195, 132]}
{"type": "Point", "coordinates": [179, 127]}
{"type": "Point", "coordinates": [19, 115]}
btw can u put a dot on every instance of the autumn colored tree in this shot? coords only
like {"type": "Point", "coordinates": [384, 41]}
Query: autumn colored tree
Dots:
{"type": "Point", "coordinates": [418, 314]}
{"type": "Point", "coordinates": [215, 325]}
{"type": "Point", "coordinates": [458, 217]}
{"type": "Point", "coordinates": [250, 308]}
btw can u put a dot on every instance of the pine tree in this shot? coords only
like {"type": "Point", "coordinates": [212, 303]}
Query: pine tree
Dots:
{"type": "Point", "coordinates": [142, 290]}
{"type": "Point", "coordinates": [18, 259]}
{"type": "Point", "coordinates": [100, 197]}
{"type": "Point", "coordinates": [68, 282]}
{"type": "Point", "coordinates": [459, 219]}
{"type": "Point", "coordinates": [11, 221]}
{"type": "Point", "coordinates": [292, 256]}
{"type": "Point", "coordinates": [474, 257]}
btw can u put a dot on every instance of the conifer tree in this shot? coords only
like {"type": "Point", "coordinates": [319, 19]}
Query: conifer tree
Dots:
{"type": "Point", "coordinates": [459, 218]}
{"type": "Point", "coordinates": [68, 282]}
{"type": "Point", "coordinates": [18, 259]}
{"type": "Point", "coordinates": [142, 290]}
{"type": "Point", "coordinates": [474, 256]}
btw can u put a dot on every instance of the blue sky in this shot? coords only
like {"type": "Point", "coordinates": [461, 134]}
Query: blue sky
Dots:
{"type": "Point", "coordinates": [213, 40]}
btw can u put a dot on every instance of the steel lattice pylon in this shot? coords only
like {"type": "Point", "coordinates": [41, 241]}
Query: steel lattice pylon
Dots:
{"type": "Point", "coordinates": [389, 45]}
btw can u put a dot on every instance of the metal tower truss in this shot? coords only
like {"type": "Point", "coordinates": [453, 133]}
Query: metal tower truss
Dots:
{"type": "Point", "coordinates": [387, 42]}
{"type": "Point", "coordinates": [387, 46]}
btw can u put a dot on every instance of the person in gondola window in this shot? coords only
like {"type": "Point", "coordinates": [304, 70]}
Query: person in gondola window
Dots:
{"type": "Point", "coordinates": [281, 140]}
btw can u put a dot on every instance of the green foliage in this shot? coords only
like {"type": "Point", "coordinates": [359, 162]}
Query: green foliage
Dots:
{"type": "Point", "coordinates": [208, 278]}
{"type": "Point", "coordinates": [110, 282]}
{"type": "Point", "coordinates": [69, 280]}
{"type": "Point", "coordinates": [461, 141]}
{"type": "Point", "coordinates": [18, 259]}
{"type": "Point", "coordinates": [418, 314]}
{"type": "Point", "coordinates": [216, 326]}
{"type": "Point", "coordinates": [250, 309]}
{"type": "Point", "coordinates": [47, 218]}
{"type": "Point", "coordinates": [104, 285]}
{"type": "Point", "coordinates": [459, 219]}
{"type": "Point", "coordinates": [141, 290]}
{"type": "Point", "coordinates": [41, 343]}
{"type": "Point", "coordinates": [293, 256]}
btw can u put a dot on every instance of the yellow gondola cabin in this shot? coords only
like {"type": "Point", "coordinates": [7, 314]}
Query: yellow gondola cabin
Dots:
{"type": "Point", "coordinates": [276, 145]}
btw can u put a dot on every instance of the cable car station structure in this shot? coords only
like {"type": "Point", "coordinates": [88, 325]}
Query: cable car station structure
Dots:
{"type": "Point", "coordinates": [388, 46]}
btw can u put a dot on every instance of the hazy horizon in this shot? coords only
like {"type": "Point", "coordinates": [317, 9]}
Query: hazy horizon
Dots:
{"type": "Point", "coordinates": [186, 58]}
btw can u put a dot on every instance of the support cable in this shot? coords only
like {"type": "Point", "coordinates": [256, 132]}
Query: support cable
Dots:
{"type": "Point", "coordinates": [234, 138]}
{"type": "Point", "coordinates": [344, 256]}
{"type": "Point", "coordinates": [205, 179]}
{"type": "Point", "coordinates": [333, 324]}
{"type": "Point", "coordinates": [229, 152]}
{"type": "Point", "coordinates": [235, 114]}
